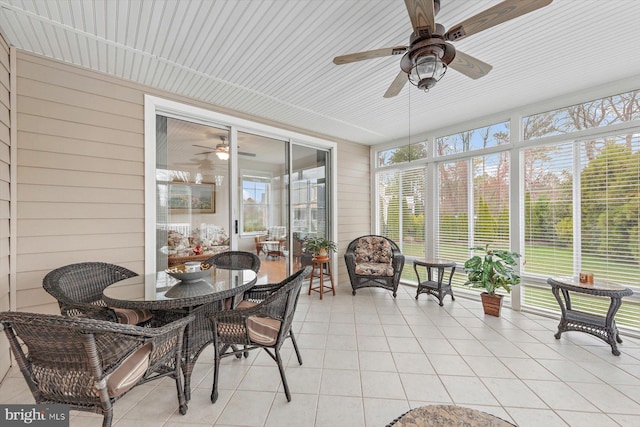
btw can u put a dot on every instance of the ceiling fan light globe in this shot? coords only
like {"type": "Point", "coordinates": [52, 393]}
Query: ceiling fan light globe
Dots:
{"type": "Point", "coordinates": [427, 71]}
{"type": "Point", "coordinates": [426, 84]}
{"type": "Point", "coordinates": [222, 155]}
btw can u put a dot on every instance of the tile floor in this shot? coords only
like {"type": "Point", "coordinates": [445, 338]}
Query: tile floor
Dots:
{"type": "Point", "coordinates": [369, 358]}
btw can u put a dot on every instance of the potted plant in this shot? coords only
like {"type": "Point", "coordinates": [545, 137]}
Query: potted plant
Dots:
{"type": "Point", "coordinates": [494, 270]}
{"type": "Point", "coordinates": [319, 246]}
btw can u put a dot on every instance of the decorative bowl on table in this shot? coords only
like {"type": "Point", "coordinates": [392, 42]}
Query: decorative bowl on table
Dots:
{"type": "Point", "coordinates": [179, 272]}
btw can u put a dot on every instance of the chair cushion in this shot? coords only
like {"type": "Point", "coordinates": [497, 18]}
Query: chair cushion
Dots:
{"type": "Point", "coordinates": [130, 371]}
{"type": "Point", "coordinates": [374, 269]}
{"type": "Point", "coordinates": [373, 249]}
{"type": "Point", "coordinates": [263, 330]}
{"type": "Point", "coordinates": [246, 304]}
{"type": "Point", "coordinates": [130, 316]}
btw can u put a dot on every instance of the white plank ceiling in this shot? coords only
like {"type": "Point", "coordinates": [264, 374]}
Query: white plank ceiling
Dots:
{"type": "Point", "coordinates": [273, 58]}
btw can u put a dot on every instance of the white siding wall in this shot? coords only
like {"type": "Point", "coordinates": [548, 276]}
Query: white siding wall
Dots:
{"type": "Point", "coordinates": [354, 199]}
{"type": "Point", "coordinates": [5, 196]}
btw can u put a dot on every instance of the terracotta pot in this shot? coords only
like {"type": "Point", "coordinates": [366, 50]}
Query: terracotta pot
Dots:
{"type": "Point", "coordinates": [492, 304]}
{"type": "Point", "coordinates": [321, 253]}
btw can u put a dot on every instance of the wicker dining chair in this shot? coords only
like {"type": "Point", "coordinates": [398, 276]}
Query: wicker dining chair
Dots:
{"type": "Point", "coordinates": [265, 324]}
{"type": "Point", "coordinates": [78, 289]}
{"type": "Point", "coordinates": [88, 364]}
{"type": "Point", "coordinates": [235, 260]}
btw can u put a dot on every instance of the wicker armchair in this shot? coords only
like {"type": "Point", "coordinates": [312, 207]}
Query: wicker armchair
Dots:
{"type": "Point", "coordinates": [265, 324]}
{"type": "Point", "coordinates": [88, 364]}
{"type": "Point", "coordinates": [235, 260]}
{"type": "Point", "coordinates": [78, 289]}
{"type": "Point", "coordinates": [374, 261]}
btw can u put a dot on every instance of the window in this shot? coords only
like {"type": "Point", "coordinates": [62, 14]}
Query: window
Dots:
{"type": "Point", "coordinates": [402, 154]}
{"type": "Point", "coordinates": [401, 212]}
{"type": "Point", "coordinates": [307, 201]}
{"type": "Point", "coordinates": [255, 204]}
{"type": "Point", "coordinates": [475, 139]}
{"type": "Point", "coordinates": [593, 114]}
{"type": "Point", "coordinates": [481, 219]}
{"type": "Point", "coordinates": [577, 188]}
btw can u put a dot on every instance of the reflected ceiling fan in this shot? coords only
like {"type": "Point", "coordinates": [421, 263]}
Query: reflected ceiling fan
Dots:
{"type": "Point", "coordinates": [430, 52]}
{"type": "Point", "coordinates": [222, 150]}
{"type": "Point", "coordinates": [204, 163]}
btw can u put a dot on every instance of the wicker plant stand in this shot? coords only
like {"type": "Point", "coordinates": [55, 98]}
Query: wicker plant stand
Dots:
{"type": "Point", "coordinates": [318, 266]}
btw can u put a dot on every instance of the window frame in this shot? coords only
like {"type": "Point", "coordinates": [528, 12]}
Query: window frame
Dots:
{"type": "Point", "coordinates": [516, 147]}
{"type": "Point", "coordinates": [257, 177]}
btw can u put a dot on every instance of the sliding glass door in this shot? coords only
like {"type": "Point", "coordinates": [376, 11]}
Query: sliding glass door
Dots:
{"type": "Point", "coordinates": [263, 215]}
{"type": "Point", "coordinates": [309, 199]}
{"type": "Point", "coordinates": [216, 183]}
{"type": "Point", "coordinates": [192, 208]}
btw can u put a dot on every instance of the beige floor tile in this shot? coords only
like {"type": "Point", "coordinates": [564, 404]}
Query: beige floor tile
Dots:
{"type": "Point", "coordinates": [340, 383]}
{"type": "Point", "coordinates": [382, 385]}
{"type": "Point", "coordinates": [300, 412]}
{"type": "Point", "coordinates": [248, 408]}
{"type": "Point", "coordinates": [380, 412]}
{"type": "Point", "coordinates": [467, 391]}
{"type": "Point", "coordinates": [425, 388]}
{"type": "Point", "coordinates": [367, 359]}
{"type": "Point", "coordinates": [376, 361]}
{"type": "Point", "coordinates": [340, 411]}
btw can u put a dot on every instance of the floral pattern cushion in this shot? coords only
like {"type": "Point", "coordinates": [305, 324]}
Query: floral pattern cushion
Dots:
{"type": "Point", "coordinates": [373, 249]}
{"type": "Point", "coordinates": [209, 239]}
{"type": "Point", "coordinates": [177, 241]}
{"type": "Point", "coordinates": [373, 256]}
{"type": "Point", "coordinates": [374, 269]}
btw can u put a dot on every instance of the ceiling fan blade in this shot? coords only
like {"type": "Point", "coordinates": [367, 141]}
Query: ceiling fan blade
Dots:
{"type": "Point", "coordinates": [397, 85]}
{"type": "Point", "coordinates": [502, 12]}
{"type": "Point", "coordinates": [209, 148]}
{"type": "Point", "coordinates": [244, 153]}
{"type": "Point", "coordinates": [422, 15]}
{"type": "Point", "coordinates": [369, 54]}
{"type": "Point", "coordinates": [469, 66]}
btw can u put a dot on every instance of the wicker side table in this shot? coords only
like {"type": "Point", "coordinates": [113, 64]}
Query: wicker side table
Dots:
{"type": "Point", "coordinates": [435, 286]}
{"type": "Point", "coordinates": [603, 327]}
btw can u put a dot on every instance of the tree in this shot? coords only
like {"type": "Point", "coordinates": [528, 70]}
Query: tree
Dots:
{"type": "Point", "coordinates": [409, 153]}
{"type": "Point", "coordinates": [610, 200]}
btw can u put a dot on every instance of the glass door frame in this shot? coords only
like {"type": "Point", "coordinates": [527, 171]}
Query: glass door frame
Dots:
{"type": "Point", "coordinates": [154, 105]}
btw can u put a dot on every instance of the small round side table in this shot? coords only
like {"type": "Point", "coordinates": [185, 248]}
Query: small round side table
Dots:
{"type": "Point", "coordinates": [435, 286]}
{"type": "Point", "coordinates": [318, 266]}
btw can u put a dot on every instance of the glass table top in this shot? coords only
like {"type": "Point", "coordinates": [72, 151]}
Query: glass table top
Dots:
{"type": "Point", "coordinates": [158, 287]}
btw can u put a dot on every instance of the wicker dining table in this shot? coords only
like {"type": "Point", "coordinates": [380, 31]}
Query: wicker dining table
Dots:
{"type": "Point", "coordinates": [170, 299]}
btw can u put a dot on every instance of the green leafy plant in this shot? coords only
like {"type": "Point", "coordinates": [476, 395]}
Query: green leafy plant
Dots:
{"type": "Point", "coordinates": [493, 270]}
{"type": "Point", "coordinates": [316, 245]}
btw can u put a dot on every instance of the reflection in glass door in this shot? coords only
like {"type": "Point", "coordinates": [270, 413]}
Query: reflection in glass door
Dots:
{"type": "Point", "coordinates": [263, 214]}
{"type": "Point", "coordinates": [192, 201]}
{"type": "Point", "coordinates": [309, 199]}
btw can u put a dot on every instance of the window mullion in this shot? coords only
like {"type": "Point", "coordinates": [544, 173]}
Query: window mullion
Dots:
{"type": "Point", "coordinates": [577, 203]}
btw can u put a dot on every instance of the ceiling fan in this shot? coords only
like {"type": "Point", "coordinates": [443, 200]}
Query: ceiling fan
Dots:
{"type": "Point", "coordinates": [204, 163]}
{"type": "Point", "coordinates": [430, 52]}
{"type": "Point", "coordinates": [222, 150]}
